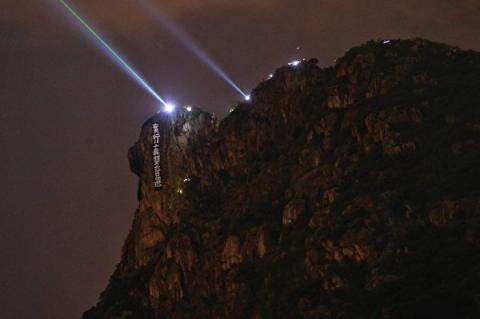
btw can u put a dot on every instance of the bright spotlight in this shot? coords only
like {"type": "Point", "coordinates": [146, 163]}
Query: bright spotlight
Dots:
{"type": "Point", "coordinates": [248, 97]}
{"type": "Point", "coordinates": [188, 108]}
{"type": "Point", "coordinates": [169, 108]}
{"type": "Point", "coordinates": [295, 63]}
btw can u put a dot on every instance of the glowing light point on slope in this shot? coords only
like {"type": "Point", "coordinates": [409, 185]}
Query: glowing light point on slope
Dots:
{"type": "Point", "coordinates": [169, 108]}
{"type": "Point", "coordinates": [295, 63]}
{"type": "Point", "coordinates": [248, 97]}
{"type": "Point", "coordinates": [188, 108]}
{"type": "Point", "coordinates": [387, 41]}
{"type": "Point", "coordinates": [270, 76]}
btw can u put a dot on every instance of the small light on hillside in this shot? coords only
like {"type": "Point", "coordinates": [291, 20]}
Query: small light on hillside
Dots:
{"type": "Point", "coordinates": [295, 63]}
{"type": "Point", "coordinates": [169, 108]}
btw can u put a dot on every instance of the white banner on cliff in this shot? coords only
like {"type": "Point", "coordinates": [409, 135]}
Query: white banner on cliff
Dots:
{"type": "Point", "coordinates": [157, 171]}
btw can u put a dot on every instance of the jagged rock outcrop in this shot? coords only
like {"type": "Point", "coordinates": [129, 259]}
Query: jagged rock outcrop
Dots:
{"type": "Point", "coordinates": [344, 192]}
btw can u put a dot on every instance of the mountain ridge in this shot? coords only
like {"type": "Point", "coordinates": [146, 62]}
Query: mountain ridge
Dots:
{"type": "Point", "coordinates": [338, 192]}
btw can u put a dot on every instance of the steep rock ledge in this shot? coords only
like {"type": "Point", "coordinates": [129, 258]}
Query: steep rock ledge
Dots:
{"type": "Point", "coordinates": [344, 192]}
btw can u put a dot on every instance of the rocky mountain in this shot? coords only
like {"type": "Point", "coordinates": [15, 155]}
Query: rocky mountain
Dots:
{"type": "Point", "coordinates": [351, 191]}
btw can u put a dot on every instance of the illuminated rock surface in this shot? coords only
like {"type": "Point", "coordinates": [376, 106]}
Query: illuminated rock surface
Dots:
{"type": "Point", "coordinates": [344, 192]}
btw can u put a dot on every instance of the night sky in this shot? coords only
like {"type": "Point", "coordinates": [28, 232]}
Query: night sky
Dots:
{"type": "Point", "coordinates": [68, 114]}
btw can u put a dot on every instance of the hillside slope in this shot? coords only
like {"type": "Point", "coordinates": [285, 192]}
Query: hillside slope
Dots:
{"type": "Point", "coordinates": [343, 192]}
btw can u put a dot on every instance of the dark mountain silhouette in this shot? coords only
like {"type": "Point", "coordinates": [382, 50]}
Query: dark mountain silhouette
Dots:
{"type": "Point", "coordinates": [344, 192]}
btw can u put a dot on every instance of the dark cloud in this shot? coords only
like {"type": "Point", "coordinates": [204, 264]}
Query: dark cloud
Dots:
{"type": "Point", "coordinates": [68, 113]}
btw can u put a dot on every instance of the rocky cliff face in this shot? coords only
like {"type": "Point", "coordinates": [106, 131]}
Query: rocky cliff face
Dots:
{"type": "Point", "coordinates": [344, 192]}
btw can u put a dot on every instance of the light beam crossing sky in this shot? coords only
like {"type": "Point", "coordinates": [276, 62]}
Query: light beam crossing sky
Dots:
{"type": "Point", "coordinates": [125, 66]}
{"type": "Point", "coordinates": [186, 40]}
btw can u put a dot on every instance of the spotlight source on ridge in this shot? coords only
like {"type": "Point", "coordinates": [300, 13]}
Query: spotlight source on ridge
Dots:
{"type": "Point", "coordinates": [248, 97]}
{"type": "Point", "coordinates": [188, 108]}
{"type": "Point", "coordinates": [295, 63]}
{"type": "Point", "coordinates": [169, 108]}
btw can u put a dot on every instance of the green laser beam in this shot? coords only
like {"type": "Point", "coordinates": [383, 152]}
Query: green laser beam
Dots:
{"type": "Point", "coordinates": [115, 55]}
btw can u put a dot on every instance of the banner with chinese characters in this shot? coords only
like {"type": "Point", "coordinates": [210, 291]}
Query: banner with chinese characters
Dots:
{"type": "Point", "coordinates": [157, 170]}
